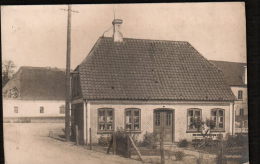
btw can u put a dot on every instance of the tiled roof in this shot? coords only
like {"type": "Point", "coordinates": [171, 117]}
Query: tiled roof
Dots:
{"type": "Point", "coordinates": [233, 72]}
{"type": "Point", "coordinates": [38, 83]}
{"type": "Point", "coordinates": [139, 69]}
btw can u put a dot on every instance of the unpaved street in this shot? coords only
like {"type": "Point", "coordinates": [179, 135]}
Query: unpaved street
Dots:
{"type": "Point", "coordinates": [28, 143]}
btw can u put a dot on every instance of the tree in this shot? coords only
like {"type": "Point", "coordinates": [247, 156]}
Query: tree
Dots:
{"type": "Point", "coordinates": [8, 67]}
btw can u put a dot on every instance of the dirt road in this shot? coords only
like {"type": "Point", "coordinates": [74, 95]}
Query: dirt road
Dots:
{"type": "Point", "coordinates": [28, 143]}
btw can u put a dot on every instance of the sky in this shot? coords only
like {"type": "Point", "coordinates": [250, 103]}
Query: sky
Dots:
{"type": "Point", "coordinates": [35, 35]}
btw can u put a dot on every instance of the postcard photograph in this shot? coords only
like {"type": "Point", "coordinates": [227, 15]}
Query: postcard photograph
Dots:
{"type": "Point", "coordinates": [158, 83]}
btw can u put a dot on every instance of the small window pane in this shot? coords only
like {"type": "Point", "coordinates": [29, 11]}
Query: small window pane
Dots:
{"type": "Point", "coordinates": [136, 120]}
{"type": "Point", "coordinates": [214, 113]}
{"type": "Point", "coordinates": [136, 127]}
{"type": "Point", "coordinates": [101, 116]}
{"type": "Point", "coordinates": [41, 109]}
{"type": "Point", "coordinates": [109, 126]}
{"type": "Point", "coordinates": [168, 119]}
{"type": "Point", "coordinates": [157, 119]}
{"type": "Point", "coordinates": [62, 109]}
{"type": "Point", "coordinates": [197, 113]}
{"type": "Point", "coordinates": [16, 109]}
{"type": "Point", "coordinates": [221, 113]}
{"type": "Point", "coordinates": [136, 113]}
{"type": "Point", "coordinates": [101, 126]}
{"type": "Point", "coordinates": [190, 112]}
{"type": "Point", "coordinates": [128, 126]}
{"type": "Point", "coordinates": [221, 125]}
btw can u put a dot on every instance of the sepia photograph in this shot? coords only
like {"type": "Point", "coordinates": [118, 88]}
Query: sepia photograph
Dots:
{"type": "Point", "coordinates": [155, 83]}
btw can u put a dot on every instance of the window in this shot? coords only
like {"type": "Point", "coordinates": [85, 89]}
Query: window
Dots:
{"type": "Point", "coordinates": [16, 109]}
{"type": "Point", "coordinates": [194, 118]}
{"type": "Point", "coordinates": [168, 118]}
{"type": "Point", "coordinates": [240, 94]}
{"type": "Point", "coordinates": [62, 109]}
{"type": "Point", "coordinates": [41, 109]}
{"type": "Point", "coordinates": [217, 116]}
{"type": "Point", "coordinates": [132, 119]}
{"type": "Point", "coordinates": [105, 119]}
{"type": "Point", "coordinates": [157, 119]}
{"type": "Point", "coordinates": [241, 112]}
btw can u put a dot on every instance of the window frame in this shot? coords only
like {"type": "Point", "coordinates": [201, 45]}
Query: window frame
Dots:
{"type": "Point", "coordinates": [132, 110]}
{"type": "Point", "coordinates": [62, 109]}
{"type": "Point", "coordinates": [41, 109]}
{"type": "Point", "coordinates": [241, 112]}
{"type": "Point", "coordinates": [217, 120]}
{"type": "Point", "coordinates": [193, 109]}
{"type": "Point", "coordinates": [16, 109]}
{"type": "Point", "coordinates": [105, 123]}
{"type": "Point", "coordinates": [240, 95]}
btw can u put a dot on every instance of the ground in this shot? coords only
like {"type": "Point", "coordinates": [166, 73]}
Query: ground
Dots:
{"type": "Point", "coordinates": [29, 143]}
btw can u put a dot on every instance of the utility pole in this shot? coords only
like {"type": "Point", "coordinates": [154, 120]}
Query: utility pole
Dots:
{"type": "Point", "coordinates": [67, 103]}
{"type": "Point", "coordinates": [68, 88]}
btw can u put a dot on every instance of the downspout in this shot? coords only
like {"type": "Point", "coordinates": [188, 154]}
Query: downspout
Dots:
{"type": "Point", "coordinates": [85, 134]}
{"type": "Point", "coordinates": [233, 119]}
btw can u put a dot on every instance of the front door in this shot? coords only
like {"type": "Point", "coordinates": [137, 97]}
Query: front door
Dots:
{"type": "Point", "coordinates": [163, 123]}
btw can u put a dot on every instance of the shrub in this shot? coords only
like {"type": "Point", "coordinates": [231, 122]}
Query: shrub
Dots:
{"type": "Point", "coordinates": [179, 155]}
{"type": "Point", "coordinates": [183, 143]}
{"type": "Point", "coordinates": [210, 123]}
{"type": "Point", "coordinates": [149, 140]}
{"type": "Point", "coordinates": [237, 140]}
{"type": "Point", "coordinates": [104, 140]}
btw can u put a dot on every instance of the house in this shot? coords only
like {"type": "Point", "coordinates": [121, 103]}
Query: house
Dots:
{"type": "Point", "coordinates": [236, 77]}
{"type": "Point", "coordinates": [144, 86]}
{"type": "Point", "coordinates": [35, 94]}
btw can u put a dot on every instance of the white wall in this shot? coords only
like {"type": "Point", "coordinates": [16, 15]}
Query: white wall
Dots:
{"type": "Point", "coordinates": [180, 124]}
{"type": "Point", "coordinates": [240, 103]}
{"type": "Point", "coordinates": [31, 108]}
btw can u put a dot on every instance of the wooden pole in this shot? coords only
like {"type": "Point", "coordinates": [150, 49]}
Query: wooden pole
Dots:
{"type": "Point", "coordinates": [67, 102]}
{"type": "Point", "coordinates": [114, 143]}
{"type": "Point", "coordinates": [90, 139]}
{"type": "Point", "coordinates": [135, 147]}
{"type": "Point", "coordinates": [77, 135]}
{"type": "Point", "coordinates": [128, 146]}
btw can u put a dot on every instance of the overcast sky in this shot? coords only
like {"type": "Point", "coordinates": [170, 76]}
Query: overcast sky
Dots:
{"type": "Point", "coordinates": [36, 35]}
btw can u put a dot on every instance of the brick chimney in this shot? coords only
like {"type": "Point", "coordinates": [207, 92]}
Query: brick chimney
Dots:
{"type": "Point", "coordinates": [117, 35]}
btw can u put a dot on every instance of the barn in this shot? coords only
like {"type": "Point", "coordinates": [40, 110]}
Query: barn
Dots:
{"type": "Point", "coordinates": [141, 85]}
{"type": "Point", "coordinates": [35, 94]}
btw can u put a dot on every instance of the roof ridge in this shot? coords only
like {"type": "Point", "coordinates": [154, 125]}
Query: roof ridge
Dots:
{"type": "Point", "coordinates": [227, 61]}
{"type": "Point", "coordinates": [43, 68]}
{"type": "Point", "coordinates": [152, 40]}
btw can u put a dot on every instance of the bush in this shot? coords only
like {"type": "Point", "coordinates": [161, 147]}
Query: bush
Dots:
{"type": "Point", "coordinates": [104, 140]}
{"type": "Point", "coordinates": [179, 155]}
{"type": "Point", "coordinates": [237, 140]}
{"type": "Point", "coordinates": [149, 140]}
{"type": "Point", "coordinates": [183, 143]}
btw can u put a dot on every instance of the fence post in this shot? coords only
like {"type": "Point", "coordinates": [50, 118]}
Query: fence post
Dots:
{"type": "Point", "coordinates": [162, 146]}
{"type": "Point", "coordinates": [77, 135]}
{"type": "Point", "coordinates": [114, 143]}
{"type": "Point", "coordinates": [128, 146]}
{"type": "Point", "coordinates": [90, 139]}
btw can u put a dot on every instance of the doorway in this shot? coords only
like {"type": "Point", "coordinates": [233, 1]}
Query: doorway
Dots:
{"type": "Point", "coordinates": [164, 122]}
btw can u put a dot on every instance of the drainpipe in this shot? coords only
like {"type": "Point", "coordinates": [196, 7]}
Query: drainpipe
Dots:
{"type": "Point", "coordinates": [233, 119]}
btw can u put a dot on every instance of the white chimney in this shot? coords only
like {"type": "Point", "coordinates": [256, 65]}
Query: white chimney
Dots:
{"type": "Point", "coordinates": [117, 35]}
{"type": "Point", "coordinates": [245, 74]}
